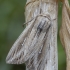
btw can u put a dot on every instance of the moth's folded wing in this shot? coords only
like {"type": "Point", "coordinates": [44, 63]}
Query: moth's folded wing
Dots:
{"type": "Point", "coordinates": [14, 54]}
{"type": "Point", "coordinates": [29, 43]}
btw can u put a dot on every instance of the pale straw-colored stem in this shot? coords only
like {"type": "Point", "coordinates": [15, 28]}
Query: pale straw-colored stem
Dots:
{"type": "Point", "coordinates": [45, 7]}
{"type": "Point", "coordinates": [65, 31]}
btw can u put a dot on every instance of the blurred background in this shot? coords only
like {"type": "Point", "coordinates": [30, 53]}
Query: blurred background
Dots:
{"type": "Point", "coordinates": [11, 21]}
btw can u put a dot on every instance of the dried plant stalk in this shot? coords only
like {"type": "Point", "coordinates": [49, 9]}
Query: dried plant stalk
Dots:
{"type": "Point", "coordinates": [37, 45]}
{"type": "Point", "coordinates": [65, 31]}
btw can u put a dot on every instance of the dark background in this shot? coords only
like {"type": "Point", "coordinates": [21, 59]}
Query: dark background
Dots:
{"type": "Point", "coordinates": [11, 21]}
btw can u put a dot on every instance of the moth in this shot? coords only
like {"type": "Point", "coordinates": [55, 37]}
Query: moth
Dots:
{"type": "Point", "coordinates": [36, 45]}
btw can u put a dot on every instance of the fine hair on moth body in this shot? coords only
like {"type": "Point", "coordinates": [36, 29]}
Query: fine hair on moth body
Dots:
{"type": "Point", "coordinates": [36, 45]}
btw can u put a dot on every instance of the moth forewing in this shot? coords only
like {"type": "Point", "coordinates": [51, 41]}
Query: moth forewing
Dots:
{"type": "Point", "coordinates": [18, 45]}
{"type": "Point", "coordinates": [29, 41]}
